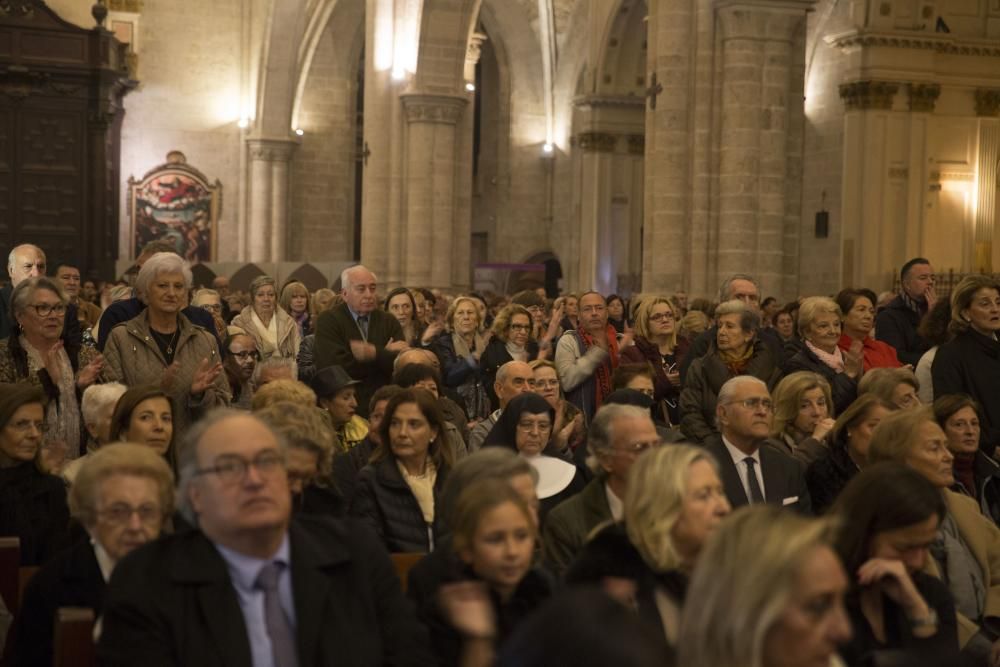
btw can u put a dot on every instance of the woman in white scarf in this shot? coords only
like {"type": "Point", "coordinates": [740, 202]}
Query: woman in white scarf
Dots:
{"type": "Point", "coordinates": [274, 331]}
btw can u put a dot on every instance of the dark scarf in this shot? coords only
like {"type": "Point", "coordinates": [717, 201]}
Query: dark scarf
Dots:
{"type": "Point", "coordinates": [965, 464]}
{"type": "Point", "coordinates": [603, 373]}
{"type": "Point", "coordinates": [919, 307]}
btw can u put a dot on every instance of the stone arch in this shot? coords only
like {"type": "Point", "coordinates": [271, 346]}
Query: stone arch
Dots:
{"type": "Point", "coordinates": [622, 65]}
{"type": "Point", "coordinates": [441, 56]}
{"type": "Point", "coordinates": [201, 275]}
{"type": "Point", "coordinates": [279, 69]}
{"type": "Point", "coordinates": [308, 275]}
{"type": "Point", "coordinates": [244, 276]}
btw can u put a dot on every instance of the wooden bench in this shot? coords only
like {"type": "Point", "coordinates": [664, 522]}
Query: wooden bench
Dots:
{"type": "Point", "coordinates": [10, 563]}
{"type": "Point", "coordinates": [404, 562]}
{"type": "Point", "coordinates": [74, 638]}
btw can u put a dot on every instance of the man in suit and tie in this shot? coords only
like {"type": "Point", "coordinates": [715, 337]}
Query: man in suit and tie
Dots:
{"type": "Point", "coordinates": [753, 472]}
{"type": "Point", "coordinates": [249, 585]}
{"type": "Point", "coordinates": [358, 337]}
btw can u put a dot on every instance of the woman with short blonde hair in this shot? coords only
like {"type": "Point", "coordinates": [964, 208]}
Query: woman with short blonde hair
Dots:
{"type": "Point", "coordinates": [460, 351]}
{"type": "Point", "coordinates": [898, 386]}
{"type": "Point", "coordinates": [274, 330]}
{"type": "Point", "coordinates": [803, 415]}
{"type": "Point", "coordinates": [820, 328]}
{"type": "Point", "coordinates": [295, 301]}
{"type": "Point", "coordinates": [658, 343]}
{"type": "Point", "coordinates": [512, 341]}
{"type": "Point", "coordinates": [790, 586]}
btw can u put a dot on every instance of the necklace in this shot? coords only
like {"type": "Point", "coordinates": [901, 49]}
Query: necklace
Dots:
{"type": "Point", "coordinates": [166, 340]}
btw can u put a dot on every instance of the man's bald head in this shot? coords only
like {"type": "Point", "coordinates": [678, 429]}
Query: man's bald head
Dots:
{"type": "Point", "coordinates": [417, 356]}
{"type": "Point", "coordinates": [25, 261]}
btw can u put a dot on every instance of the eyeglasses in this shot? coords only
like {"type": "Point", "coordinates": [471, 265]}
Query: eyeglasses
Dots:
{"type": "Point", "coordinates": [120, 513]}
{"type": "Point", "coordinates": [520, 327]}
{"type": "Point", "coordinates": [247, 354]}
{"type": "Point", "coordinates": [544, 384]}
{"type": "Point", "coordinates": [46, 309]}
{"type": "Point", "coordinates": [639, 447]}
{"type": "Point", "coordinates": [25, 425]}
{"type": "Point", "coordinates": [212, 307]}
{"type": "Point", "coordinates": [659, 317]}
{"type": "Point", "coordinates": [231, 469]}
{"type": "Point", "coordinates": [754, 403]}
{"type": "Point", "coordinates": [647, 392]}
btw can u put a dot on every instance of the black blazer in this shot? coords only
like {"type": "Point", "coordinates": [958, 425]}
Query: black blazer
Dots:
{"type": "Point", "coordinates": [172, 602]}
{"type": "Point", "coordinates": [336, 328]}
{"type": "Point", "coordinates": [71, 579]}
{"type": "Point", "coordinates": [784, 482]}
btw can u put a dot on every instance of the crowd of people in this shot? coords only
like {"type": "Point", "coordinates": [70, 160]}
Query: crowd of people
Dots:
{"type": "Point", "coordinates": [235, 478]}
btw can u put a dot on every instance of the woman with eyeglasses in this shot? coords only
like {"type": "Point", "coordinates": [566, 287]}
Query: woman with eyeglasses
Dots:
{"type": "Point", "coordinates": [160, 346]}
{"type": "Point", "coordinates": [124, 497]}
{"type": "Point", "coordinates": [274, 331]}
{"type": "Point", "coordinates": [545, 383]}
{"type": "Point", "coordinates": [32, 503]}
{"type": "Point", "coordinates": [658, 343]}
{"type": "Point", "coordinates": [36, 354]}
{"type": "Point", "coordinates": [512, 341]}
{"type": "Point", "coordinates": [525, 426]}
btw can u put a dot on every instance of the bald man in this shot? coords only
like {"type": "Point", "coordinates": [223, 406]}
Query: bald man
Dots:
{"type": "Point", "coordinates": [359, 337]}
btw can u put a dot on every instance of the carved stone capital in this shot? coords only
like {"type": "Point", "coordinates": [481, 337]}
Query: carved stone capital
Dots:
{"type": "Point", "coordinates": [271, 150]}
{"type": "Point", "coordinates": [475, 48]}
{"type": "Point", "coordinates": [864, 95]}
{"type": "Point", "coordinates": [595, 142]}
{"type": "Point", "coordinates": [433, 108]}
{"type": "Point", "coordinates": [923, 96]}
{"type": "Point", "coordinates": [987, 101]}
{"type": "Point", "coordinates": [637, 144]}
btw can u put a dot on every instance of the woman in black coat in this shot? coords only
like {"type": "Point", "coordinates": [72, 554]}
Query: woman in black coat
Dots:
{"type": "Point", "coordinates": [460, 350]}
{"type": "Point", "coordinates": [891, 514]}
{"type": "Point", "coordinates": [819, 326]}
{"type": "Point", "coordinates": [511, 341]}
{"type": "Point", "coordinates": [32, 503]}
{"type": "Point", "coordinates": [397, 492]}
{"type": "Point", "coordinates": [970, 362]}
{"type": "Point", "coordinates": [123, 496]}
{"type": "Point", "coordinates": [976, 475]}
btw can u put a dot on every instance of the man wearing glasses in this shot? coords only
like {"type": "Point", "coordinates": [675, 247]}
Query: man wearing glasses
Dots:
{"type": "Point", "coordinates": [239, 365]}
{"type": "Point", "coordinates": [617, 436]}
{"type": "Point", "coordinates": [249, 585]}
{"type": "Point", "coordinates": [753, 472]}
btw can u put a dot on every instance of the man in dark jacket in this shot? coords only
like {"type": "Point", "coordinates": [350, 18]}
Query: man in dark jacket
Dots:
{"type": "Point", "coordinates": [358, 337]}
{"type": "Point", "coordinates": [249, 585]}
{"type": "Point", "coordinates": [897, 323]}
{"type": "Point", "coordinates": [28, 261]}
{"type": "Point", "coordinates": [753, 472]}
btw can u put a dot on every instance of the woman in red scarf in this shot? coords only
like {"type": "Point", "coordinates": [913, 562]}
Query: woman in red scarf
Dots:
{"type": "Point", "coordinates": [858, 307]}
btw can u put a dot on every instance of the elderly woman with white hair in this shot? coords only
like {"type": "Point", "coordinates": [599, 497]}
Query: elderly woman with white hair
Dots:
{"type": "Point", "coordinates": [96, 407]}
{"type": "Point", "coordinates": [274, 330]}
{"type": "Point", "coordinates": [161, 346]}
{"type": "Point", "coordinates": [820, 326]}
{"type": "Point", "coordinates": [123, 497]}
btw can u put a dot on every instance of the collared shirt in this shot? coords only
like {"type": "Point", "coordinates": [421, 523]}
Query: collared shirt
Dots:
{"type": "Point", "coordinates": [104, 561]}
{"type": "Point", "coordinates": [364, 334]}
{"type": "Point", "coordinates": [741, 467]}
{"type": "Point", "coordinates": [615, 504]}
{"type": "Point", "coordinates": [243, 572]}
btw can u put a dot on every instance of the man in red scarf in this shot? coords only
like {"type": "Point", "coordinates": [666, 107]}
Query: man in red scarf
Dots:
{"type": "Point", "coordinates": [586, 357]}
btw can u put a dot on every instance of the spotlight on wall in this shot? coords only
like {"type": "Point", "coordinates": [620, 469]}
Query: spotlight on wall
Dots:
{"type": "Point", "coordinates": [471, 87]}
{"type": "Point", "coordinates": [243, 123]}
{"type": "Point", "coordinates": [299, 131]}
{"type": "Point", "coordinates": [547, 148]}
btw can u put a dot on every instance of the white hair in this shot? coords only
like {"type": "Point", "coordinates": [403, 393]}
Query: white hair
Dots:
{"type": "Point", "coordinates": [97, 398]}
{"type": "Point", "coordinates": [345, 275]}
{"type": "Point", "coordinates": [12, 257]}
{"type": "Point", "coordinates": [275, 362]}
{"type": "Point", "coordinates": [730, 388]}
{"type": "Point", "coordinates": [158, 264]}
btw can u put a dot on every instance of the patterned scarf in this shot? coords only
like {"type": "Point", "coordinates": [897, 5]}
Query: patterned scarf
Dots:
{"type": "Point", "coordinates": [919, 307]}
{"type": "Point", "coordinates": [737, 362]}
{"type": "Point", "coordinates": [603, 373]}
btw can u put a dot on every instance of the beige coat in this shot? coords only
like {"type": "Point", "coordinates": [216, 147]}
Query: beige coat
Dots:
{"type": "Point", "coordinates": [983, 539]}
{"type": "Point", "coordinates": [288, 340]}
{"type": "Point", "coordinates": [132, 357]}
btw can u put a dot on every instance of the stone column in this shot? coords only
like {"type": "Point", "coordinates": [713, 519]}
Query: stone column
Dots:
{"type": "Point", "coordinates": [268, 218]}
{"type": "Point", "coordinates": [430, 188]}
{"type": "Point", "coordinates": [988, 174]}
{"type": "Point", "coordinates": [756, 55]}
{"type": "Point", "coordinates": [595, 263]}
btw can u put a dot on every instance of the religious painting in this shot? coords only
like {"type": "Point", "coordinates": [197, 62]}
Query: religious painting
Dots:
{"type": "Point", "coordinates": [175, 202]}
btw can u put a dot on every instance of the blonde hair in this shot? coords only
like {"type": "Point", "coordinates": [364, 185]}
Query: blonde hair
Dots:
{"type": "Point", "coordinates": [962, 296]}
{"type": "Point", "coordinates": [754, 558]}
{"type": "Point", "coordinates": [882, 382]}
{"type": "Point", "coordinates": [283, 390]}
{"type": "Point", "coordinates": [292, 290]}
{"type": "Point", "coordinates": [896, 435]}
{"type": "Point", "coordinates": [645, 309]}
{"type": "Point", "coordinates": [119, 459]}
{"type": "Point", "coordinates": [450, 317]}
{"type": "Point", "coordinates": [324, 299]}
{"type": "Point", "coordinates": [788, 394]}
{"type": "Point", "coordinates": [502, 322]}
{"type": "Point", "coordinates": [654, 501]}
{"type": "Point", "coordinates": [813, 306]}
{"type": "Point", "coordinates": [304, 426]}
{"type": "Point", "coordinates": [693, 323]}
{"type": "Point", "coordinates": [478, 499]}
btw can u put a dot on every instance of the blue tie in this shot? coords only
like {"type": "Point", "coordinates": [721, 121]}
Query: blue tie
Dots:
{"type": "Point", "coordinates": [279, 630]}
{"type": "Point", "coordinates": [363, 325]}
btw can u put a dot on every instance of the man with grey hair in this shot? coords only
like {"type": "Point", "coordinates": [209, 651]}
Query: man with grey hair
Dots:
{"type": "Point", "coordinates": [275, 368]}
{"type": "Point", "coordinates": [741, 287]}
{"type": "Point", "coordinates": [250, 585]}
{"type": "Point", "coordinates": [28, 261]}
{"type": "Point", "coordinates": [359, 337]}
{"type": "Point", "coordinates": [752, 471]}
{"type": "Point", "coordinates": [126, 309]}
{"type": "Point", "coordinates": [513, 378]}
{"type": "Point", "coordinates": [618, 435]}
